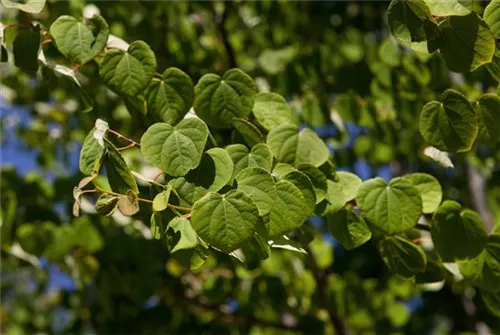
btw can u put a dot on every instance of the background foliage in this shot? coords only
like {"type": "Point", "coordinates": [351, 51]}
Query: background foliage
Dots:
{"type": "Point", "coordinates": [373, 98]}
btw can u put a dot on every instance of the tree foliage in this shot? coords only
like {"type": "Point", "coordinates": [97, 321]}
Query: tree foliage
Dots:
{"type": "Point", "coordinates": [200, 186]}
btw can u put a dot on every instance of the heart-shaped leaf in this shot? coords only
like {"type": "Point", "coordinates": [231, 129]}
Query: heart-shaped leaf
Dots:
{"type": "Point", "coordinates": [215, 170]}
{"type": "Point", "coordinates": [466, 42]}
{"type": "Point", "coordinates": [258, 184]}
{"type": "Point", "coordinates": [80, 41]}
{"type": "Point", "coordinates": [271, 110]}
{"type": "Point", "coordinates": [349, 228]}
{"type": "Point", "coordinates": [175, 150]}
{"type": "Point", "coordinates": [304, 184]}
{"type": "Point", "coordinates": [450, 125]}
{"type": "Point", "coordinates": [451, 224]}
{"type": "Point", "coordinates": [225, 221]}
{"type": "Point", "coordinates": [291, 146]}
{"type": "Point", "coordinates": [392, 208]}
{"type": "Point", "coordinates": [171, 97]}
{"type": "Point", "coordinates": [288, 212]}
{"type": "Point", "coordinates": [260, 155]}
{"type": "Point", "coordinates": [489, 118]}
{"type": "Point", "coordinates": [410, 20]}
{"type": "Point", "coordinates": [186, 191]}
{"type": "Point", "coordinates": [219, 100]}
{"type": "Point", "coordinates": [128, 72]}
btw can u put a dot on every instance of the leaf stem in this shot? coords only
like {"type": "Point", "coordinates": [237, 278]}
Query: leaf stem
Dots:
{"type": "Point", "coordinates": [180, 208]}
{"type": "Point", "coordinates": [158, 75]}
{"type": "Point", "coordinates": [76, 67]}
{"type": "Point", "coordinates": [45, 42]}
{"type": "Point", "coordinates": [131, 145]}
{"type": "Point", "coordinates": [120, 136]}
{"type": "Point", "coordinates": [16, 25]}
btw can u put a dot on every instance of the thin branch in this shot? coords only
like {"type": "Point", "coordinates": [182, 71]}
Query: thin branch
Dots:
{"type": "Point", "coordinates": [121, 137]}
{"type": "Point", "coordinates": [157, 175]}
{"type": "Point", "coordinates": [220, 21]}
{"type": "Point", "coordinates": [186, 209]}
{"type": "Point", "coordinates": [131, 145]}
{"type": "Point", "coordinates": [16, 25]}
{"type": "Point", "coordinates": [76, 67]}
{"type": "Point", "coordinates": [322, 288]}
{"type": "Point", "coordinates": [158, 75]}
{"type": "Point", "coordinates": [478, 191]}
{"type": "Point", "coordinates": [45, 42]}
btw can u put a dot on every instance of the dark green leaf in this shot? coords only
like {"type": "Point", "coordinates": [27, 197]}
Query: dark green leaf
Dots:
{"type": "Point", "coordinates": [489, 118]}
{"type": "Point", "coordinates": [26, 49]}
{"type": "Point", "coordinates": [91, 154]}
{"type": "Point", "coordinates": [349, 228]}
{"type": "Point", "coordinates": [402, 257]}
{"type": "Point", "coordinates": [260, 155]}
{"type": "Point", "coordinates": [450, 125]}
{"type": "Point", "coordinates": [128, 72]}
{"type": "Point", "coordinates": [452, 224]}
{"type": "Point", "coordinates": [225, 221]}
{"type": "Point", "coordinates": [250, 133]}
{"type": "Point", "coordinates": [80, 41]}
{"type": "Point", "coordinates": [119, 176]}
{"type": "Point", "coordinates": [214, 172]}
{"type": "Point", "coordinates": [171, 97]}
{"type": "Point", "coordinates": [219, 100]}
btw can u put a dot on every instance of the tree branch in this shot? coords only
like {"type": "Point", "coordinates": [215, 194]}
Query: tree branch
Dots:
{"type": "Point", "coordinates": [477, 187]}
{"type": "Point", "coordinates": [321, 285]}
{"type": "Point", "coordinates": [220, 21]}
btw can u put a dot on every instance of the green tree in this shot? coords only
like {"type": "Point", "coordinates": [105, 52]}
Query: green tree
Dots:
{"type": "Point", "coordinates": [215, 138]}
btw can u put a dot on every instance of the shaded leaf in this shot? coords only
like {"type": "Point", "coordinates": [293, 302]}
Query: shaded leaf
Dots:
{"type": "Point", "coordinates": [26, 48]}
{"type": "Point", "coordinates": [214, 171]}
{"type": "Point", "coordinates": [171, 97]}
{"type": "Point", "coordinates": [250, 133]}
{"type": "Point", "coordinates": [349, 228]}
{"type": "Point", "coordinates": [106, 204]}
{"type": "Point", "coordinates": [91, 154]}
{"type": "Point", "coordinates": [120, 178]}
{"type": "Point", "coordinates": [225, 221]}
{"type": "Point", "coordinates": [402, 257]}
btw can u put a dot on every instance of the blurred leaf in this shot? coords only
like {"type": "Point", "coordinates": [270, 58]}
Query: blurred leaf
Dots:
{"type": "Point", "coordinates": [271, 110]}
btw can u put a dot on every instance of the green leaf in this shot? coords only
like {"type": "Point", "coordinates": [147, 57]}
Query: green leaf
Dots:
{"type": "Point", "coordinates": [91, 154]}
{"type": "Point", "coordinates": [160, 201]}
{"type": "Point", "coordinates": [260, 155]}
{"type": "Point", "coordinates": [489, 118]}
{"type": "Point", "coordinates": [271, 110]}
{"type": "Point", "coordinates": [156, 225]}
{"type": "Point", "coordinates": [29, 6]}
{"type": "Point", "coordinates": [258, 184]}
{"type": "Point", "coordinates": [450, 125]}
{"type": "Point", "coordinates": [260, 246]}
{"type": "Point", "coordinates": [317, 178]}
{"type": "Point", "coordinates": [492, 301]}
{"type": "Point", "coordinates": [349, 184]}
{"type": "Point", "coordinates": [494, 67]}
{"type": "Point", "coordinates": [192, 259]}
{"type": "Point", "coordinates": [129, 204]}
{"type": "Point", "coordinates": [392, 208]}
{"type": "Point", "coordinates": [402, 257]}
{"type": "Point", "coordinates": [291, 146]}
{"type": "Point", "coordinates": [484, 270]}
{"type": "Point", "coordinates": [87, 236]}
{"type": "Point", "coordinates": [26, 48]}
{"type": "Point", "coordinates": [288, 212]}
{"type": "Point", "coordinates": [430, 191]}
{"type": "Point", "coordinates": [171, 97]}
{"type": "Point", "coordinates": [182, 235]}
{"type": "Point", "coordinates": [214, 172]}
{"type": "Point", "coordinates": [80, 41]}
{"type": "Point", "coordinates": [304, 184]}
{"type": "Point", "coordinates": [449, 7]}
{"type": "Point", "coordinates": [349, 228]}
{"type": "Point", "coordinates": [466, 43]}
{"type": "Point", "coordinates": [250, 133]}
{"type": "Point", "coordinates": [119, 176]}
{"type": "Point", "coordinates": [106, 204]}
{"type": "Point", "coordinates": [219, 100]}
{"type": "Point", "coordinates": [452, 224]}
{"type": "Point", "coordinates": [128, 72]}
{"type": "Point", "coordinates": [175, 150]}
{"type": "Point", "coordinates": [225, 221]}
{"type": "Point", "coordinates": [335, 199]}
{"type": "Point", "coordinates": [491, 16]}
{"type": "Point", "coordinates": [282, 169]}
{"type": "Point", "coordinates": [408, 20]}
{"type": "Point", "coordinates": [188, 192]}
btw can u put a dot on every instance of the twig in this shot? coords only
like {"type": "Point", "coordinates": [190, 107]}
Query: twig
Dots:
{"type": "Point", "coordinates": [131, 145]}
{"type": "Point", "coordinates": [45, 42]}
{"type": "Point", "coordinates": [121, 137]}
{"type": "Point", "coordinates": [158, 75]}
{"type": "Point", "coordinates": [76, 67]}
{"type": "Point", "coordinates": [157, 175]}
{"type": "Point", "coordinates": [319, 277]}
{"type": "Point", "coordinates": [220, 21]}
